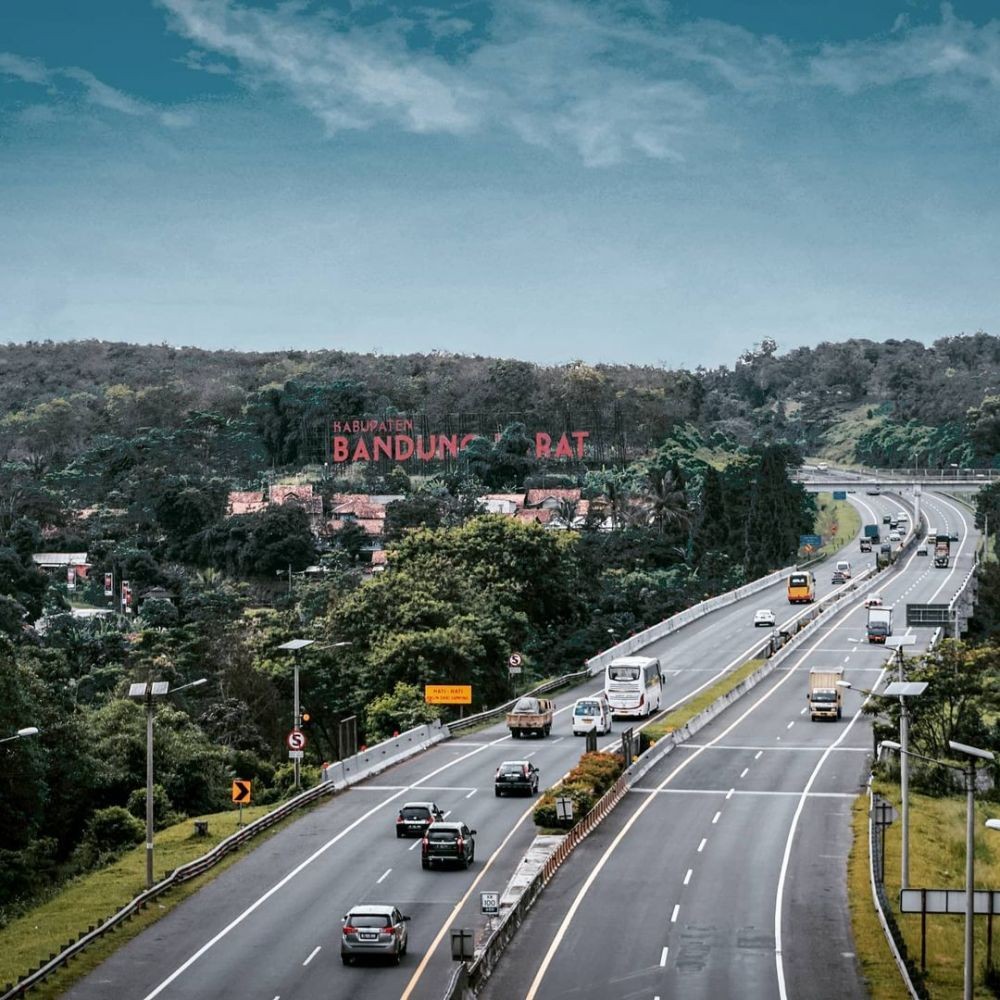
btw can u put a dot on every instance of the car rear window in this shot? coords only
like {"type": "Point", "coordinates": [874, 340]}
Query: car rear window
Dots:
{"type": "Point", "coordinates": [416, 812]}
{"type": "Point", "coordinates": [512, 769]}
{"type": "Point", "coordinates": [368, 920]}
{"type": "Point", "coordinates": [587, 708]}
{"type": "Point", "coordinates": [442, 834]}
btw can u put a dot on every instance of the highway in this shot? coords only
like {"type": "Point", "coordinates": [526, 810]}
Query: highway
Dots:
{"type": "Point", "coordinates": [723, 874]}
{"type": "Point", "coordinates": [269, 926]}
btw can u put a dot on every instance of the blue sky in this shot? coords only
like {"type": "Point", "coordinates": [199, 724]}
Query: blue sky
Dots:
{"type": "Point", "coordinates": [635, 181]}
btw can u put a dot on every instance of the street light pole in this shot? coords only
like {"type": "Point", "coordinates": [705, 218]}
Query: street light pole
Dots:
{"type": "Point", "coordinates": [903, 691]}
{"type": "Point", "coordinates": [970, 863]}
{"type": "Point", "coordinates": [21, 734]}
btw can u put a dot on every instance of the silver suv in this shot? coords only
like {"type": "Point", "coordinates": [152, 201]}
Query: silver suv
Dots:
{"type": "Point", "coordinates": [373, 930]}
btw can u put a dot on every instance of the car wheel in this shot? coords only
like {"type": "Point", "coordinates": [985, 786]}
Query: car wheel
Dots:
{"type": "Point", "coordinates": [496, 792]}
{"type": "Point", "coordinates": [425, 865]}
{"type": "Point", "coordinates": [397, 958]}
{"type": "Point", "coordinates": [399, 835]}
{"type": "Point", "coordinates": [346, 959]}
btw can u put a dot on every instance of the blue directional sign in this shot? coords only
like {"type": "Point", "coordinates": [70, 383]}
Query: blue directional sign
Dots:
{"type": "Point", "coordinates": [810, 541]}
{"type": "Point", "coordinates": [840, 494]}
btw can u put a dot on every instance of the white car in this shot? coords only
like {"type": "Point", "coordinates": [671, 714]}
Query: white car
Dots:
{"type": "Point", "coordinates": [763, 617]}
{"type": "Point", "coordinates": [902, 516]}
{"type": "Point", "coordinates": [873, 602]}
{"type": "Point", "coordinates": [893, 536]}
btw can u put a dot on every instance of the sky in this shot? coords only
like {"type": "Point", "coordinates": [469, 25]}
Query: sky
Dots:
{"type": "Point", "coordinates": [622, 181]}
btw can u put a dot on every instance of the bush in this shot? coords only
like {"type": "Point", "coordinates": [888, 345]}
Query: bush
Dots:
{"type": "Point", "coordinates": [585, 784]}
{"type": "Point", "coordinates": [583, 801]}
{"type": "Point", "coordinates": [107, 833]}
{"type": "Point", "coordinates": [163, 814]}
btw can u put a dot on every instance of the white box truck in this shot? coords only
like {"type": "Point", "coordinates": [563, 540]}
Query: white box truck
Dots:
{"type": "Point", "coordinates": [825, 697]}
{"type": "Point", "coordinates": [879, 624]}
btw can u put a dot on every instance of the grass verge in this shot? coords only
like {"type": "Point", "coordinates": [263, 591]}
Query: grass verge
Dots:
{"type": "Point", "coordinates": [937, 860]}
{"type": "Point", "coordinates": [836, 521]}
{"type": "Point", "coordinates": [684, 713]}
{"type": "Point", "coordinates": [28, 940]}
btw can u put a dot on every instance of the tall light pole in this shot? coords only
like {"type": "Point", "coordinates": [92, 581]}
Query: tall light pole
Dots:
{"type": "Point", "coordinates": [900, 689]}
{"type": "Point", "coordinates": [147, 692]}
{"type": "Point", "coordinates": [972, 754]}
{"type": "Point", "coordinates": [21, 734]}
{"type": "Point", "coordinates": [293, 646]}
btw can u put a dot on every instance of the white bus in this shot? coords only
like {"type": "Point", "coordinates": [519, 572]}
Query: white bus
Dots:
{"type": "Point", "coordinates": [633, 686]}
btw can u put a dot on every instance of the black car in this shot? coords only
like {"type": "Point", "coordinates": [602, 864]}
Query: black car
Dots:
{"type": "Point", "coordinates": [448, 844]}
{"type": "Point", "coordinates": [516, 776]}
{"type": "Point", "coordinates": [415, 817]}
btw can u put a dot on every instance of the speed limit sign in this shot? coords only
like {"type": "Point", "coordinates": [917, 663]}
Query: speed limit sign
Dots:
{"type": "Point", "coordinates": [515, 660]}
{"type": "Point", "coordinates": [296, 740]}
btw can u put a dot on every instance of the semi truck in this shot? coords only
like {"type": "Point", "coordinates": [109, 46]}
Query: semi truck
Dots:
{"type": "Point", "coordinates": [825, 697]}
{"type": "Point", "coordinates": [942, 550]}
{"type": "Point", "coordinates": [872, 533]}
{"type": "Point", "coordinates": [879, 624]}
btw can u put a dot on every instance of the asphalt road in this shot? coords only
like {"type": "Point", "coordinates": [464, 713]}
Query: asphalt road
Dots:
{"type": "Point", "coordinates": [268, 927]}
{"type": "Point", "coordinates": [723, 874]}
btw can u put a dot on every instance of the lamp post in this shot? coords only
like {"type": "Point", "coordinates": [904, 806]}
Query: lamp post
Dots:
{"type": "Point", "coordinates": [293, 646]}
{"type": "Point", "coordinates": [972, 754]}
{"type": "Point", "coordinates": [147, 692]}
{"type": "Point", "coordinates": [900, 689]}
{"type": "Point", "coordinates": [21, 734]}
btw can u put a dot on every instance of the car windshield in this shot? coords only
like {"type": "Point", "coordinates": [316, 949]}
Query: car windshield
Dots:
{"type": "Point", "coordinates": [442, 834]}
{"type": "Point", "coordinates": [623, 673]}
{"type": "Point", "coordinates": [825, 696]}
{"type": "Point", "coordinates": [527, 706]}
{"type": "Point", "coordinates": [369, 920]}
{"type": "Point", "coordinates": [586, 708]}
{"type": "Point", "coordinates": [798, 580]}
{"type": "Point", "coordinates": [416, 812]}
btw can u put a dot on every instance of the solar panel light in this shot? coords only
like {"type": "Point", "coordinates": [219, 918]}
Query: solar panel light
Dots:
{"type": "Point", "coordinates": [295, 644]}
{"type": "Point", "coordinates": [993, 824]}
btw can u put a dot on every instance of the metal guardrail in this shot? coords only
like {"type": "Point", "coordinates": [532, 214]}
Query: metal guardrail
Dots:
{"type": "Point", "coordinates": [377, 758]}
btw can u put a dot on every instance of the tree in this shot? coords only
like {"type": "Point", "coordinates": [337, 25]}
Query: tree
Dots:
{"type": "Point", "coordinates": [402, 709]}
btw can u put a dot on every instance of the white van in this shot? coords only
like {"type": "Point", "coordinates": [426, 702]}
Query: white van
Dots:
{"type": "Point", "coordinates": [591, 714]}
{"type": "Point", "coordinates": [843, 566]}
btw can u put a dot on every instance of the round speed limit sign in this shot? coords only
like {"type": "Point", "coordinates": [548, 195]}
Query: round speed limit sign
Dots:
{"type": "Point", "coordinates": [296, 740]}
{"type": "Point", "coordinates": [515, 660]}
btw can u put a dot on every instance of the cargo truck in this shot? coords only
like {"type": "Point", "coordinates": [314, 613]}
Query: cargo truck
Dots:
{"type": "Point", "coordinates": [879, 624]}
{"type": "Point", "coordinates": [872, 533]}
{"type": "Point", "coordinates": [825, 697]}
{"type": "Point", "coordinates": [942, 550]}
{"type": "Point", "coordinates": [530, 715]}
{"type": "Point", "coordinates": [866, 544]}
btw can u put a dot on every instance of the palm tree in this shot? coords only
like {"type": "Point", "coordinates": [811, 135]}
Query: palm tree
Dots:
{"type": "Point", "coordinates": [566, 511]}
{"type": "Point", "coordinates": [666, 500]}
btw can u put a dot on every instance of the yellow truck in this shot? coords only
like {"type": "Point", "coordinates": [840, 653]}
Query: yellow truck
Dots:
{"type": "Point", "coordinates": [826, 696]}
{"type": "Point", "coordinates": [530, 715]}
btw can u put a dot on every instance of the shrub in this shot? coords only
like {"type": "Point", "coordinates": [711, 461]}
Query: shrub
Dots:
{"type": "Point", "coordinates": [163, 814]}
{"type": "Point", "coordinates": [583, 801]}
{"type": "Point", "coordinates": [585, 784]}
{"type": "Point", "coordinates": [107, 833]}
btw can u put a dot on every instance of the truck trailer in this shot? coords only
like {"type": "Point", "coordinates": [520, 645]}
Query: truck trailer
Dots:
{"type": "Point", "coordinates": [942, 551]}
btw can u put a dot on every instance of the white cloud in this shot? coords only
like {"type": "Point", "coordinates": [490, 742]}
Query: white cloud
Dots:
{"type": "Point", "coordinates": [28, 70]}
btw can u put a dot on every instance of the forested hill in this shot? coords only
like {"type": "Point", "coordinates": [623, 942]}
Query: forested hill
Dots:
{"type": "Point", "coordinates": [896, 402]}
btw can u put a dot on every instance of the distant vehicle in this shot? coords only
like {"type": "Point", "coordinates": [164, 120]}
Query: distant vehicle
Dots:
{"type": "Point", "coordinates": [825, 695]}
{"type": "Point", "coordinates": [633, 686]}
{"type": "Point", "coordinates": [887, 519]}
{"type": "Point", "coordinates": [872, 533]}
{"type": "Point", "coordinates": [531, 715]}
{"type": "Point", "coordinates": [822, 467]}
{"type": "Point", "coordinates": [415, 817]}
{"type": "Point", "coordinates": [516, 776]}
{"type": "Point", "coordinates": [922, 550]}
{"type": "Point", "coordinates": [448, 843]}
{"type": "Point", "coordinates": [942, 551]}
{"type": "Point", "coordinates": [373, 930]}
{"type": "Point", "coordinates": [844, 567]}
{"type": "Point", "coordinates": [592, 714]}
{"type": "Point", "coordinates": [838, 577]}
{"type": "Point", "coordinates": [874, 601]}
{"type": "Point", "coordinates": [763, 617]}
{"type": "Point", "coordinates": [879, 624]}
{"type": "Point", "coordinates": [866, 544]}
{"type": "Point", "coordinates": [801, 588]}
{"type": "Point", "coordinates": [902, 516]}
{"type": "Point", "coordinates": [873, 491]}
{"type": "Point", "coordinates": [893, 536]}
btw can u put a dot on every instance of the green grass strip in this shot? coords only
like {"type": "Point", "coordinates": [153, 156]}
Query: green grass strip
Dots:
{"type": "Point", "coordinates": [27, 941]}
{"type": "Point", "coordinates": [837, 521]}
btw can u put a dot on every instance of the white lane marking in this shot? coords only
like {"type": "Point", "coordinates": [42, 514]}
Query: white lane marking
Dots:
{"type": "Point", "coordinates": [846, 658]}
{"type": "Point", "coordinates": [446, 814]}
{"type": "Point", "coordinates": [744, 772]}
{"type": "Point", "coordinates": [383, 877]}
{"type": "Point", "coordinates": [558, 739]}
{"type": "Point", "coordinates": [687, 878]}
{"type": "Point", "coordinates": [312, 954]}
{"type": "Point", "coordinates": [673, 916]}
{"type": "Point", "coordinates": [790, 724]}
{"type": "Point", "coordinates": [756, 756]}
{"type": "Point", "coordinates": [701, 846]}
{"type": "Point", "coordinates": [729, 794]}
{"type": "Point", "coordinates": [415, 844]}
{"type": "Point", "coordinates": [526, 756]}
{"type": "Point", "coordinates": [802, 711]}
{"type": "Point", "coordinates": [779, 896]}
{"type": "Point", "coordinates": [473, 792]}
{"type": "Point", "coordinates": [760, 750]}
{"type": "Point", "coordinates": [663, 956]}
{"type": "Point", "coordinates": [318, 853]}
{"type": "Point", "coordinates": [639, 790]}
{"type": "Point", "coordinates": [595, 871]}
{"type": "Point", "coordinates": [715, 818]}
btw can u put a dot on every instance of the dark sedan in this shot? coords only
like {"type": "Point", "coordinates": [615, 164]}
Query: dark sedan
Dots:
{"type": "Point", "coordinates": [516, 776]}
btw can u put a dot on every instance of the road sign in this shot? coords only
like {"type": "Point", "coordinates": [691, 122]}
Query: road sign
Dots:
{"type": "Point", "coordinates": [295, 754]}
{"type": "Point", "coordinates": [927, 615]}
{"type": "Point", "coordinates": [241, 791]}
{"type": "Point", "coordinates": [840, 494]}
{"type": "Point", "coordinates": [948, 901]}
{"type": "Point", "coordinates": [514, 661]}
{"type": "Point", "coordinates": [564, 808]}
{"type": "Point", "coordinates": [296, 740]}
{"type": "Point", "coordinates": [813, 541]}
{"type": "Point", "coordinates": [885, 813]}
{"type": "Point", "coordinates": [448, 694]}
{"type": "Point", "coordinates": [490, 903]}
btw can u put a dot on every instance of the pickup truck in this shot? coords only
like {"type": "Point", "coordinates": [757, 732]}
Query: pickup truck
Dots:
{"type": "Point", "coordinates": [530, 715]}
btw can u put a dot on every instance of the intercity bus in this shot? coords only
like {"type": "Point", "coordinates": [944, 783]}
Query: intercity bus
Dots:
{"type": "Point", "coordinates": [633, 686]}
{"type": "Point", "coordinates": [801, 588]}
